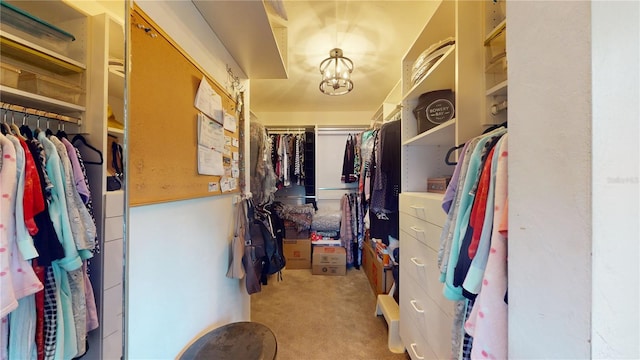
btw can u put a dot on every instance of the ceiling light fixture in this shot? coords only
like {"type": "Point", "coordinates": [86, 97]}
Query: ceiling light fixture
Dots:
{"type": "Point", "coordinates": [336, 74]}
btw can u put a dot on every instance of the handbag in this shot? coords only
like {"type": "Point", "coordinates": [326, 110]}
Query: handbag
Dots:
{"type": "Point", "coordinates": [114, 182]}
{"type": "Point", "coordinates": [253, 259]}
{"type": "Point", "coordinates": [236, 268]}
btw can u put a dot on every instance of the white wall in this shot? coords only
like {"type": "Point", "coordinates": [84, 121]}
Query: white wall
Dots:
{"type": "Point", "coordinates": [616, 113]}
{"type": "Point", "coordinates": [178, 251]}
{"type": "Point", "coordinates": [573, 182]}
{"type": "Point", "coordinates": [549, 51]}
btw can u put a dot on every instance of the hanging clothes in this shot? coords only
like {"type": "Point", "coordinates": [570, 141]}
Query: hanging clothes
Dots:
{"type": "Point", "coordinates": [474, 202]}
{"type": "Point", "coordinates": [263, 149]}
{"type": "Point", "coordinates": [46, 228]}
{"type": "Point", "coordinates": [385, 183]}
{"type": "Point", "coordinates": [348, 175]}
{"type": "Point", "coordinates": [488, 320]}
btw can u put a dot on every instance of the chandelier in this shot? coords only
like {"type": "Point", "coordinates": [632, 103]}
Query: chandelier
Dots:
{"type": "Point", "coordinates": [336, 74]}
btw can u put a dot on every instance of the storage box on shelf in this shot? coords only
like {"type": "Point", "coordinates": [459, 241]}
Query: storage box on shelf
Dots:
{"type": "Point", "coordinates": [34, 29]}
{"type": "Point", "coordinates": [9, 75]}
{"type": "Point", "coordinates": [49, 86]}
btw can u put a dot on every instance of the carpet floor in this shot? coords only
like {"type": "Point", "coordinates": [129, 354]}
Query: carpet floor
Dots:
{"type": "Point", "coordinates": [318, 317]}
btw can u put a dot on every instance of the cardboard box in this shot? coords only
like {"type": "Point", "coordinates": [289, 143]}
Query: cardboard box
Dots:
{"type": "Point", "coordinates": [380, 279]}
{"type": "Point", "coordinates": [329, 260]}
{"type": "Point", "coordinates": [298, 253]}
{"type": "Point", "coordinates": [293, 233]}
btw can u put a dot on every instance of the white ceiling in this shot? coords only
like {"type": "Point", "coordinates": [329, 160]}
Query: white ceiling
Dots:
{"type": "Point", "coordinates": [374, 34]}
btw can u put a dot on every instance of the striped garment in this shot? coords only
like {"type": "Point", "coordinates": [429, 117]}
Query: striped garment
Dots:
{"type": "Point", "coordinates": [50, 315]}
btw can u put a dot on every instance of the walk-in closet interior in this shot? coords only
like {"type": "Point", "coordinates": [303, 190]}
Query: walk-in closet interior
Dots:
{"type": "Point", "coordinates": [293, 179]}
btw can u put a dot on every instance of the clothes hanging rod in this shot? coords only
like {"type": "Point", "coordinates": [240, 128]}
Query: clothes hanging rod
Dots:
{"type": "Point", "coordinates": [338, 188]}
{"type": "Point", "coordinates": [30, 111]}
{"type": "Point", "coordinates": [283, 127]}
{"type": "Point", "coordinates": [285, 131]}
{"type": "Point", "coordinates": [295, 197]}
{"type": "Point", "coordinates": [354, 129]}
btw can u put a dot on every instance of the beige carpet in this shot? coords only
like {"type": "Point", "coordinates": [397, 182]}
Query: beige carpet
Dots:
{"type": "Point", "coordinates": [320, 317]}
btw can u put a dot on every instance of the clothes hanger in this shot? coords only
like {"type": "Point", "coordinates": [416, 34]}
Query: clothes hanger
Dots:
{"type": "Point", "coordinates": [48, 132]}
{"type": "Point", "coordinates": [37, 131]}
{"type": "Point", "coordinates": [5, 127]}
{"type": "Point", "coordinates": [446, 158]}
{"type": "Point", "coordinates": [25, 130]}
{"type": "Point", "coordinates": [16, 129]}
{"type": "Point", "coordinates": [61, 133]}
{"type": "Point", "coordinates": [81, 139]}
{"type": "Point", "coordinates": [493, 127]}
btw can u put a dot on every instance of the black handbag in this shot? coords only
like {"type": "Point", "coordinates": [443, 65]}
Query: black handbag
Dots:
{"type": "Point", "coordinates": [114, 182]}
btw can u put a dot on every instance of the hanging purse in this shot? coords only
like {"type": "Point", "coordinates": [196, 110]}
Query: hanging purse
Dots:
{"type": "Point", "coordinates": [236, 269]}
{"type": "Point", "coordinates": [253, 253]}
{"type": "Point", "coordinates": [114, 182]}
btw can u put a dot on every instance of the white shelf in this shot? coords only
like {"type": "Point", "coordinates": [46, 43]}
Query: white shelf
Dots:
{"type": "Point", "coordinates": [498, 66]}
{"type": "Point", "coordinates": [31, 53]}
{"type": "Point", "coordinates": [443, 134]}
{"type": "Point", "coordinates": [498, 90]}
{"type": "Point", "coordinates": [495, 32]}
{"type": "Point", "coordinates": [27, 99]}
{"type": "Point", "coordinates": [116, 84]}
{"type": "Point", "coordinates": [113, 130]}
{"type": "Point", "coordinates": [440, 76]}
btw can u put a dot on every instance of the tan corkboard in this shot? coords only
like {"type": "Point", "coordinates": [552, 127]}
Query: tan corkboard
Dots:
{"type": "Point", "coordinates": [163, 120]}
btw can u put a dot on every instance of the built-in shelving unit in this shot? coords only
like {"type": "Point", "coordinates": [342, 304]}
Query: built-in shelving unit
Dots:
{"type": "Point", "coordinates": [461, 69]}
{"type": "Point", "coordinates": [107, 267]}
{"type": "Point", "coordinates": [495, 48]}
{"type": "Point", "coordinates": [47, 39]}
{"type": "Point", "coordinates": [440, 76]}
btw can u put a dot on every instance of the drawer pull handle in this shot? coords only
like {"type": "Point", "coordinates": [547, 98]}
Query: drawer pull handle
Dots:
{"type": "Point", "coordinates": [414, 260]}
{"type": "Point", "coordinates": [413, 348]}
{"type": "Point", "coordinates": [415, 207]}
{"type": "Point", "coordinates": [413, 304]}
{"type": "Point", "coordinates": [416, 229]}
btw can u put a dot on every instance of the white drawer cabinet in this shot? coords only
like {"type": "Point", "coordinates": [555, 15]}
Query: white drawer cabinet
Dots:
{"type": "Point", "coordinates": [433, 324]}
{"type": "Point", "coordinates": [420, 264]}
{"type": "Point", "coordinates": [112, 346]}
{"type": "Point", "coordinates": [426, 317]}
{"type": "Point", "coordinates": [423, 231]}
{"type": "Point", "coordinates": [424, 206]}
{"type": "Point", "coordinates": [112, 275]}
{"type": "Point", "coordinates": [113, 263]}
